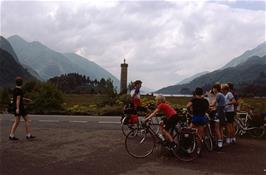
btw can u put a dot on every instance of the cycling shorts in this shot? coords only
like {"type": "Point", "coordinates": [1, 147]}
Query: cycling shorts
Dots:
{"type": "Point", "coordinates": [199, 120]}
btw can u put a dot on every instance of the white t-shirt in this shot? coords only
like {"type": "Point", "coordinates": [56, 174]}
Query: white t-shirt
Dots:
{"type": "Point", "coordinates": [228, 98]}
{"type": "Point", "coordinates": [133, 91]}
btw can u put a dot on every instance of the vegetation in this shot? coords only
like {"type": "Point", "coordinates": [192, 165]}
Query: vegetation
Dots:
{"type": "Point", "coordinates": [80, 84]}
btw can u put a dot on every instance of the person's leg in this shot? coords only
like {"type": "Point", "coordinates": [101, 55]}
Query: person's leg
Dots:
{"type": "Point", "coordinates": [228, 132]}
{"type": "Point", "coordinates": [27, 125]}
{"type": "Point", "coordinates": [14, 126]}
{"type": "Point", "coordinates": [219, 135]}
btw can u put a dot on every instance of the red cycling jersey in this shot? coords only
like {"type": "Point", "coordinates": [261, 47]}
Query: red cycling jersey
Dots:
{"type": "Point", "coordinates": [167, 109]}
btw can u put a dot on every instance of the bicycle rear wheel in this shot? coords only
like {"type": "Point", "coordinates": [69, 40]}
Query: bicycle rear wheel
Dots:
{"type": "Point", "coordinates": [186, 149]}
{"type": "Point", "coordinates": [257, 132]}
{"type": "Point", "coordinates": [140, 143]}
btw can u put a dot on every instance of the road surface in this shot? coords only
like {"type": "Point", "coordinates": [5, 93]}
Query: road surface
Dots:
{"type": "Point", "coordinates": [79, 145]}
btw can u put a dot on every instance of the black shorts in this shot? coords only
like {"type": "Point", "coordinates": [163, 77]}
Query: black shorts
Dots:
{"type": "Point", "coordinates": [170, 123]}
{"type": "Point", "coordinates": [230, 117]}
{"type": "Point", "coordinates": [22, 112]}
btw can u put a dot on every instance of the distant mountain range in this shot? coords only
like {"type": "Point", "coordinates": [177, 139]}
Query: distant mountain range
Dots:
{"type": "Point", "coordinates": [10, 67]}
{"type": "Point", "coordinates": [260, 51]}
{"type": "Point", "coordinates": [47, 63]}
{"type": "Point", "coordinates": [244, 69]}
{"type": "Point", "coordinates": [189, 79]}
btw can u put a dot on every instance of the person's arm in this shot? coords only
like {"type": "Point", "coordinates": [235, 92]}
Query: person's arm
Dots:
{"type": "Point", "coordinates": [189, 104]}
{"type": "Point", "coordinates": [27, 99]}
{"type": "Point", "coordinates": [151, 115]}
{"type": "Point", "coordinates": [17, 104]}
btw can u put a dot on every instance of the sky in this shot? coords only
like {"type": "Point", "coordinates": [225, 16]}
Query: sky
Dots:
{"type": "Point", "coordinates": [162, 41]}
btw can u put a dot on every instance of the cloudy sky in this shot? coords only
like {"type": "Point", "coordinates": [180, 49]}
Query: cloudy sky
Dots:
{"type": "Point", "coordinates": [163, 41]}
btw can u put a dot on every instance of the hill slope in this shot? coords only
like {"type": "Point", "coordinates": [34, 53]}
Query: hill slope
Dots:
{"type": "Point", "coordinates": [260, 50]}
{"type": "Point", "coordinates": [90, 68]}
{"type": "Point", "coordinates": [10, 69]}
{"type": "Point", "coordinates": [246, 72]}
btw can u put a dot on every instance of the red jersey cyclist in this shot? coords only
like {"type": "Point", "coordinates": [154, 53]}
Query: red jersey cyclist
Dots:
{"type": "Point", "coordinates": [167, 124]}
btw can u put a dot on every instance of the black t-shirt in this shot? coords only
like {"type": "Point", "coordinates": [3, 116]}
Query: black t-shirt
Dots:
{"type": "Point", "coordinates": [18, 92]}
{"type": "Point", "coordinates": [199, 106]}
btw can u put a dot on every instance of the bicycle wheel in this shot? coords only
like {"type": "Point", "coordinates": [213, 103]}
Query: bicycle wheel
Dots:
{"type": "Point", "coordinates": [257, 132]}
{"type": "Point", "coordinates": [186, 147]}
{"type": "Point", "coordinates": [208, 142]}
{"type": "Point", "coordinates": [140, 143]}
{"type": "Point", "coordinates": [127, 127]}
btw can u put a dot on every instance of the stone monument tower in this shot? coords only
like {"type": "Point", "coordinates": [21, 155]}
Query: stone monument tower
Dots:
{"type": "Point", "coordinates": [123, 79]}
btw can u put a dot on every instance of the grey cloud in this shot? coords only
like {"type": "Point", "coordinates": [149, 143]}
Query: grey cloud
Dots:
{"type": "Point", "coordinates": [163, 41]}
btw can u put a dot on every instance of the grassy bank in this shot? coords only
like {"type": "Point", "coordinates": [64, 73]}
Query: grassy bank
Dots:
{"type": "Point", "coordinates": [95, 103]}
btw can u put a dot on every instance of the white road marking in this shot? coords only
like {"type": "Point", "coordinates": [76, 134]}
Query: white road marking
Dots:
{"type": "Point", "coordinates": [49, 121]}
{"type": "Point", "coordinates": [78, 121]}
{"type": "Point", "coordinates": [108, 122]}
{"type": "Point", "coordinates": [21, 120]}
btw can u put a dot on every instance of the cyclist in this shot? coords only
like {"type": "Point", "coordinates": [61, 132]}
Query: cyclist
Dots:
{"type": "Point", "coordinates": [199, 107]}
{"type": "Point", "coordinates": [219, 117]}
{"type": "Point", "coordinates": [18, 98]}
{"type": "Point", "coordinates": [229, 114]}
{"type": "Point", "coordinates": [232, 90]}
{"type": "Point", "coordinates": [167, 124]}
{"type": "Point", "coordinates": [135, 93]}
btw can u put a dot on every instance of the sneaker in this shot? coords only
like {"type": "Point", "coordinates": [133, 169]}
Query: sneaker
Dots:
{"type": "Point", "coordinates": [220, 144]}
{"type": "Point", "coordinates": [198, 150]}
{"type": "Point", "coordinates": [228, 140]}
{"type": "Point", "coordinates": [233, 140]}
{"type": "Point", "coordinates": [30, 137]}
{"type": "Point", "coordinates": [13, 138]}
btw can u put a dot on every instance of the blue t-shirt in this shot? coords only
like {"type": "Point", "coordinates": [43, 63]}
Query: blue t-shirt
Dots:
{"type": "Point", "coordinates": [220, 100]}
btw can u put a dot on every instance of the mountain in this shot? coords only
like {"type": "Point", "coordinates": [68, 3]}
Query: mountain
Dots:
{"type": "Point", "coordinates": [189, 79]}
{"type": "Point", "coordinates": [90, 68]}
{"type": "Point", "coordinates": [49, 63]}
{"type": "Point", "coordinates": [244, 73]}
{"type": "Point", "coordinates": [5, 45]}
{"type": "Point", "coordinates": [260, 50]}
{"type": "Point", "coordinates": [10, 69]}
{"type": "Point", "coordinates": [46, 62]}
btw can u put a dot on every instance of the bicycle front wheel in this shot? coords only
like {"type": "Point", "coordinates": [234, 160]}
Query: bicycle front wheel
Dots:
{"type": "Point", "coordinates": [140, 143]}
{"type": "Point", "coordinates": [257, 132]}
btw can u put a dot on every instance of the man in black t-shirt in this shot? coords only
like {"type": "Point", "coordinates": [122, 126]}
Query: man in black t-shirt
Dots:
{"type": "Point", "coordinates": [18, 98]}
{"type": "Point", "coordinates": [199, 107]}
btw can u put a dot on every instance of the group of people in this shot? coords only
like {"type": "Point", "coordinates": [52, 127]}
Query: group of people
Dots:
{"type": "Point", "coordinates": [220, 103]}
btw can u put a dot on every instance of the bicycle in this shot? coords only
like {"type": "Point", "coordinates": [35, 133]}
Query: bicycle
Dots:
{"type": "Point", "coordinates": [208, 137]}
{"type": "Point", "coordinates": [140, 143]}
{"type": "Point", "coordinates": [245, 125]}
{"type": "Point", "coordinates": [131, 119]}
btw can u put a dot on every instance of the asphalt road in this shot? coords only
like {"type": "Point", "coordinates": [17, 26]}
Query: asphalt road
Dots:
{"type": "Point", "coordinates": [77, 145]}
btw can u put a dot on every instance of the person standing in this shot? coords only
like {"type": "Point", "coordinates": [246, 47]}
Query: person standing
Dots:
{"type": "Point", "coordinates": [199, 107]}
{"type": "Point", "coordinates": [18, 97]}
{"type": "Point", "coordinates": [135, 97]}
{"type": "Point", "coordinates": [229, 114]}
{"type": "Point", "coordinates": [219, 118]}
